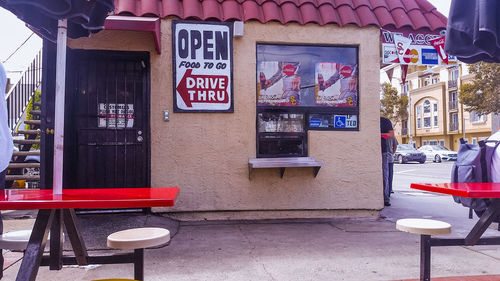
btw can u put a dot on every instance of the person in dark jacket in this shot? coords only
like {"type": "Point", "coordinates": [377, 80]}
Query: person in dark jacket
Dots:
{"type": "Point", "coordinates": [386, 132]}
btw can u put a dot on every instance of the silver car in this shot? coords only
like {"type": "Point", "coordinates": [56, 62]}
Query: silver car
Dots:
{"type": "Point", "coordinates": [438, 153]}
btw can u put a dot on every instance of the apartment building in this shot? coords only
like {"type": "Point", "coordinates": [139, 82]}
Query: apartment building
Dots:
{"type": "Point", "coordinates": [436, 115]}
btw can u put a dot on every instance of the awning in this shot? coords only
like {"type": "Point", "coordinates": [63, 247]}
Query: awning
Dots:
{"type": "Point", "coordinates": [84, 17]}
{"type": "Point", "coordinates": [473, 30]}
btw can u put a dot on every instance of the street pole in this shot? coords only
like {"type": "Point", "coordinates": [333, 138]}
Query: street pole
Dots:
{"type": "Point", "coordinates": [409, 119]}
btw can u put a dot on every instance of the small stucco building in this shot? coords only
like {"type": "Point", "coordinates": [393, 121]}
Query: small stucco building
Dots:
{"type": "Point", "coordinates": [131, 124]}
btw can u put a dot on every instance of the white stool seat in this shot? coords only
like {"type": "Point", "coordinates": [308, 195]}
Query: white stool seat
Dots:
{"type": "Point", "coordinates": [17, 240]}
{"type": "Point", "coordinates": [138, 238]}
{"type": "Point", "coordinates": [424, 226]}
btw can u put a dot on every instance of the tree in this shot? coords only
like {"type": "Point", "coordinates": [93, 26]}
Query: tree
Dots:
{"type": "Point", "coordinates": [483, 94]}
{"type": "Point", "coordinates": [392, 105]}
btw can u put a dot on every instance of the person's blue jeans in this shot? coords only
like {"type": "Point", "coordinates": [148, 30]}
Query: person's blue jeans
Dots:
{"type": "Point", "coordinates": [385, 173]}
{"type": "Point", "coordinates": [2, 186]}
{"type": "Point", "coordinates": [391, 175]}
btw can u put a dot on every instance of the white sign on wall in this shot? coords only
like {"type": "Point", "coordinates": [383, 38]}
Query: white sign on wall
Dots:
{"type": "Point", "coordinates": [203, 60]}
{"type": "Point", "coordinates": [112, 115]}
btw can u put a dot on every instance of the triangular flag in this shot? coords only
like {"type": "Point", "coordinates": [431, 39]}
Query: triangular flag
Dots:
{"type": "Point", "coordinates": [402, 44]}
{"type": "Point", "coordinates": [438, 44]}
{"type": "Point", "coordinates": [404, 71]}
{"type": "Point", "coordinates": [389, 73]}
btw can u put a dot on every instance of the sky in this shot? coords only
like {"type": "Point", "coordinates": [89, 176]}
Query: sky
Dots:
{"type": "Point", "coordinates": [13, 33]}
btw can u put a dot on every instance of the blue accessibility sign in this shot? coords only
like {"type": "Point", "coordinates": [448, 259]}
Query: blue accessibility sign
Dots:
{"type": "Point", "coordinates": [339, 121]}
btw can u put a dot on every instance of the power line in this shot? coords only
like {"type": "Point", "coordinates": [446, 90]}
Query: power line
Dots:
{"type": "Point", "coordinates": [17, 49]}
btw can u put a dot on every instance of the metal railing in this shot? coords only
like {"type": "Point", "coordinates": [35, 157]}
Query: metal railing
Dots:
{"type": "Point", "coordinates": [452, 83]}
{"type": "Point", "coordinates": [453, 126]}
{"type": "Point", "coordinates": [20, 94]}
{"type": "Point", "coordinates": [453, 105]}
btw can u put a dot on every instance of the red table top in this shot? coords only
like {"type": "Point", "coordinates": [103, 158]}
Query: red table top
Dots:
{"type": "Point", "coordinates": [463, 189]}
{"type": "Point", "coordinates": [15, 199]}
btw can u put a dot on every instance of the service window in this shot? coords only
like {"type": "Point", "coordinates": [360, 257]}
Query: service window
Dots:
{"type": "Point", "coordinates": [301, 88]}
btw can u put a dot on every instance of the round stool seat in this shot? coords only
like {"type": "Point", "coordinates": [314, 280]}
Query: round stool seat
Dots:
{"type": "Point", "coordinates": [423, 226]}
{"type": "Point", "coordinates": [17, 240]}
{"type": "Point", "coordinates": [115, 280]}
{"type": "Point", "coordinates": [137, 238]}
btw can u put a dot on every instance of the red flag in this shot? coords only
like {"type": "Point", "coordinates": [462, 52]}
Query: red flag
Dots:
{"type": "Point", "coordinates": [438, 44]}
{"type": "Point", "coordinates": [404, 71]}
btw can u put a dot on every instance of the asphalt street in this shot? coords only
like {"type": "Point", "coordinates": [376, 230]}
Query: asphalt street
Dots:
{"type": "Point", "coordinates": [429, 172]}
{"type": "Point", "coordinates": [408, 202]}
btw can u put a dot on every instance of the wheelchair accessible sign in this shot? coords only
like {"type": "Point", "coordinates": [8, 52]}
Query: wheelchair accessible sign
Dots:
{"type": "Point", "coordinates": [345, 121]}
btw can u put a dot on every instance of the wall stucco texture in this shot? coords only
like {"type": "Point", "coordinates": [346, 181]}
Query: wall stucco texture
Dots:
{"type": "Point", "coordinates": [206, 154]}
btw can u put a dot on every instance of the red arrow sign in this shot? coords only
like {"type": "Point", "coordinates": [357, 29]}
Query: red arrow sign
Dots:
{"type": "Point", "coordinates": [203, 88]}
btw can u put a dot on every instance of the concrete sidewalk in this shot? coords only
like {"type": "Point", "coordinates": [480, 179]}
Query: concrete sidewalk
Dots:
{"type": "Point", "coordinates": [321, 249]}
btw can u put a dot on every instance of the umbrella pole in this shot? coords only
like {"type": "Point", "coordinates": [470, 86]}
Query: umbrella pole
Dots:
{"type": "Point", "coordinates": [59, 106]}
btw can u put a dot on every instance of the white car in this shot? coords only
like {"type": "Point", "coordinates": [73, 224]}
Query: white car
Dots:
{"type": "Point", "coordinates": [438, 153]}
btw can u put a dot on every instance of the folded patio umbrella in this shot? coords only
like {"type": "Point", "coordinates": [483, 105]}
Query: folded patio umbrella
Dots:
{"type": "Point", "coordinates": [473, 30]}
{"type": "Point", "coordinates": [56, 20]}
{"type": "Point", "coordinates": [84, 17]}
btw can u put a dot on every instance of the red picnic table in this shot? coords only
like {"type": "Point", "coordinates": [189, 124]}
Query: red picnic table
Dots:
{"type": "Point", "coordinates": [56, 210]}
{"type": "Point", "coordinates": [470, 190]}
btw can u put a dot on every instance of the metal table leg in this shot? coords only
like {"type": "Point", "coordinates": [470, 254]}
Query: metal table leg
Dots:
{"type": "Point", "coordinates": [36, 245]}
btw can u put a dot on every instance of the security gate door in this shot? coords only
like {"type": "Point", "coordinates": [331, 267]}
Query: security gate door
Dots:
{"type": "Point", "coordinates": [108, 141]}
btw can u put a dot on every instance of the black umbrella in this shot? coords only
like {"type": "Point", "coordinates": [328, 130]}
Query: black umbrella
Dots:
{"type": "Point", "coordinates": [56, 19]}
{"type": "Point", "coordinates": [84, 17]}
{"type": "Point", "coordinates": [473, 30]}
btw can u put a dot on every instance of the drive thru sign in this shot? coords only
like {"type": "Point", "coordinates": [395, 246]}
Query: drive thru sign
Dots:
{"type": "Point", "coordinates": [203, 59]}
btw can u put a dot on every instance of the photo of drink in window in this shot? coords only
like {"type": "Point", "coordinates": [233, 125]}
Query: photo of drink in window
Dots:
{"type": "Point", "coordinates": [336, 84]}
{"type": "Point", "coordinates": [278, 83]}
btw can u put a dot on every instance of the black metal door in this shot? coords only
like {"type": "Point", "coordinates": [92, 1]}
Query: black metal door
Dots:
{"type": "Point", "coordinates": [107, 136]}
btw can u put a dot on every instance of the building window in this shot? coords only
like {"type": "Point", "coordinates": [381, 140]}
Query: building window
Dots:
{"type": "Point", "coordinates": [425, 143]}
{"type": "Point", "coordinates": [427, 106]}
{"type": "Point", "coordinates": [406, 87]}
{"type": "Point", "coordinates": [435, 107]}
{"type": "Point", "coordinates": [435, 80]}
{"type": "Point", "coordinates": [418, 123]}
{"type": "Point", "coordinates": [453, 100]}
{"type": "Point", "coordinates": [435, 121]}
{"type": "Point", "coordinates": [427, 122]}
{"type": "Point", "coordinates": [474, 140]}
{"type": "Point", "coordinates": [433, 142]}
{"type": "Point", "coordinates": [477, 118]}
{"type": "Point", "coordinates": [441, 142]}
{"type": "Point", "coordinates": [302, 88]}
{"type": "Point", "coordinates": [454, 73]}
{"type": "Point", "coordinates": [419, 110]}
{"type": "Point", "coordinates": [454, 122]}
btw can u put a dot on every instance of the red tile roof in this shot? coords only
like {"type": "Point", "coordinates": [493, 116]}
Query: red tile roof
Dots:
{"type": "Point", "coordinates": [415, 14]}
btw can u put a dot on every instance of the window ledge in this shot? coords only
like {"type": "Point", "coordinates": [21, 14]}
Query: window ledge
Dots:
{"type": "Point", "coordinates": [282, 163]}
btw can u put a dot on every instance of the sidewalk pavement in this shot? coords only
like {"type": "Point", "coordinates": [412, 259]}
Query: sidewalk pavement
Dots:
{"type": "Point", "coordinates": [315, 249]}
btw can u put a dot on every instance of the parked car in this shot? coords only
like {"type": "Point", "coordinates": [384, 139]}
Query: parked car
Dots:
{"type": "Point", "coordinates": [406, 153]}
{"type": "Point", "coordinates": [438, 153]}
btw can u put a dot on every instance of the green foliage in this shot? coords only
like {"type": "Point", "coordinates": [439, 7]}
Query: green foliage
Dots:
{"type": "Point", "coordinates": [392, 105]}
{"type": "Point", "coordinates": [38, 99]}
{"type": "Point", "coordinates": [483, 94]}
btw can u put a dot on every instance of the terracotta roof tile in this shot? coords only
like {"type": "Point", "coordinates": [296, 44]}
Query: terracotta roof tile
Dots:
{"type": "Point", "coordinates": [290, 12]}
{"type": "Point", "coordinates": [415, 14]}
{"type": "Point", "coordinates": [272, 12]}
{"type": "Point", "coordinates": [401, 18]}
{"type": "Point", "coordinates": [366, 16]}
{"type": "Point", "coordinates": [252, 11]}
{"type": "Point", "coordinates": [329, 14]}
{"type": "Point", "coordinates": [347, 15]}
{"type": "Point", "coordinates": [232, 10]}
{"type": "Point", "coordinates": [310, 14]}
{"type": "Point", "coordinates": [211, 9]}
